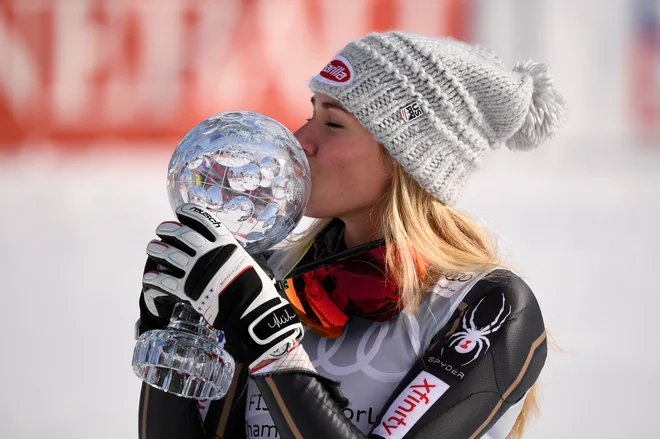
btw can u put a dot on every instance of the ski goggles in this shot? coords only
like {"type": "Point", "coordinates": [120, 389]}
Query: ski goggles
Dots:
{"type": "Point", "coordinates": [327, 293]}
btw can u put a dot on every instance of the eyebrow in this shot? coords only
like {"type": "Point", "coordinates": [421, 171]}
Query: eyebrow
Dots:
{"type": "Point", "coordinates": [328, 105]}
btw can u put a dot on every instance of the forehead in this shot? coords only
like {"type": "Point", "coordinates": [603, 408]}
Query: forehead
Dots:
{"type": "Point", "coordinates": [325, 101]}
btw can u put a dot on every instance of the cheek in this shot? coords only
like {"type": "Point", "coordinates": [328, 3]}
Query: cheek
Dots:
{"type": "Point", "coordinates": [346, 178]}
{"type": "Point", "coordinates": [338, 166]}
{"type": "Point", "coordinates": [368, 182]}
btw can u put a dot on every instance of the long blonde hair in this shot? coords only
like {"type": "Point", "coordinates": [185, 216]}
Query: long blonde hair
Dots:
{"type": "Point", "coordinates": [426, 239]}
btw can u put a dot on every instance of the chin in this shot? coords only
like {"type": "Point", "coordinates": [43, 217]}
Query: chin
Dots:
{"type": "Point", "coordinates": [310, 213]}
{"type": "Point", "coordinates": [316, 213]}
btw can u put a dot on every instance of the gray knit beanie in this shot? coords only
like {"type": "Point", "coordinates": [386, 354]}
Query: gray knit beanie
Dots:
{"type": "Point", "coordinates": [437, 104]}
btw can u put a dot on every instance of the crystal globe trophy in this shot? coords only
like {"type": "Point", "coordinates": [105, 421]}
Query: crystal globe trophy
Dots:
{"type": "Point", "coordinates": [251, 173]}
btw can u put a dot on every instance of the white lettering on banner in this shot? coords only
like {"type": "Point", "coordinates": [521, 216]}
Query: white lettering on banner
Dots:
{"type": "Point", "coordinates": [162, 69]}
{"type": "Point", "coordinates": [226, 56]}
{"type": "Point", "coordinates": [117, 62]}
{"type": "Point", "coordinates": [89, 43]}
{"type": "Point", "coordinates": [76, 45]}
{"type": "Point", "coordinates": [410, 405]}
{"type": "Point", "coordinates": [309, 44]}
{"type": "Point", "coordinates": [20, 82]}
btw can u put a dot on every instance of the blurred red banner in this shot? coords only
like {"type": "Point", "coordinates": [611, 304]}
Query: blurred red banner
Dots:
{"type": "Point", "coordinates": [645, 74]}
{"type": "Point", "coordinates": [77, 70]}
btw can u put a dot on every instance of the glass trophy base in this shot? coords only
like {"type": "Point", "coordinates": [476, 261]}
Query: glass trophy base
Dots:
{"type": "Point", "coordinates": [184, 359]}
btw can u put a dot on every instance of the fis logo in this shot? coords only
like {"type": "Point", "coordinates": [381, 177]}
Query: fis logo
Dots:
{"type": "Point", "coordinates": [411, 112]}
{"type": "Point", "coordinates": [458, 277]}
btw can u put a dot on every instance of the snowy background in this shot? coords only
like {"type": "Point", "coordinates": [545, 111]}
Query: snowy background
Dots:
{"type": "Point", "coordinates": [579, 219]}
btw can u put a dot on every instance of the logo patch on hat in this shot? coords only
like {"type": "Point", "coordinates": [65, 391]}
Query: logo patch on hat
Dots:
{"type": "Point", "coordinates": [411, 112]}
{"type": "Point", "coordinates": [339, 71]}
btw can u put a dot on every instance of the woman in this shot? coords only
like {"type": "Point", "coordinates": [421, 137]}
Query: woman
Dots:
{"type": "Point", "coordinates": [413, 327]}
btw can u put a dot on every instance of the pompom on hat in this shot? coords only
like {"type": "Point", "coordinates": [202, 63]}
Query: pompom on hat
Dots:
{"type": "Point", "coordinates": [437, 104]}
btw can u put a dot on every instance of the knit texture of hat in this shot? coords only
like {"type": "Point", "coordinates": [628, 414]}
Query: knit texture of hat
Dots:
{"type": "Point", "coordinates": [437, 104]}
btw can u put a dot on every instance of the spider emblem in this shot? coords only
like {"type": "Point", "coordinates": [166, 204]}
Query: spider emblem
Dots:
{"type": "Point", "coordinates": [471, 337]}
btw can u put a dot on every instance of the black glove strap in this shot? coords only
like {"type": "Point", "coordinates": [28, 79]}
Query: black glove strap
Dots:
{"type": "Point", "coordinates": [262, 329]}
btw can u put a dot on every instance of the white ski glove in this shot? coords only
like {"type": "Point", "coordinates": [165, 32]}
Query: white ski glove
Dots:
{"type": "Point", "coordinates": [199, 261]}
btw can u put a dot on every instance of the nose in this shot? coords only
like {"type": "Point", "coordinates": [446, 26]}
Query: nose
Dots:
{"type": "Point", "coordinates": [305, 137]}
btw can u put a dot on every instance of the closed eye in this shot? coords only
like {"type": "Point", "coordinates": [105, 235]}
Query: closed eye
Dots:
{"type": "Point", "coordinates": [333, 125]}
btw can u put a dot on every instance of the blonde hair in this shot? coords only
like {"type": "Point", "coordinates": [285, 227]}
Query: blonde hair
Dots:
{"type": "Point", "coordinates": [426, 239]}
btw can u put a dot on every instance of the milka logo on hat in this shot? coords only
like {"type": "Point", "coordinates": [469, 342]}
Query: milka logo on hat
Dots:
{"type": "Point", "coordinates": [339, 71]}
{"type": "Point", "coordinates": [411, 112]}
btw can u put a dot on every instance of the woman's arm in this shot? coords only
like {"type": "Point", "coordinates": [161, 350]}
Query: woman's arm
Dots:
{"type": "Point", "coordinates": [481, 363]}
{"type": "Point", "coordinates": [166, 416]}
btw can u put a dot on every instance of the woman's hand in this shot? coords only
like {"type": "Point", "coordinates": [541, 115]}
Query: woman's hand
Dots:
{"type": "Point", "coordinates": [199, 261]}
